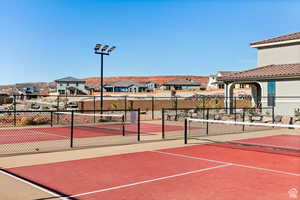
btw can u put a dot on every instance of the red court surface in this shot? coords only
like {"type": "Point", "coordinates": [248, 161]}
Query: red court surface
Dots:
{"type": "Point", "coordinates": [282, 141]}
{"type": "Point", "coordinates": [21, 135]}
{"type": "Point", "coordinates": [197, 172]}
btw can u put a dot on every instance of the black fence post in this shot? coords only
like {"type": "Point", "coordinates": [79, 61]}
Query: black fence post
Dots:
{"type": "Point", "coordinates": [163, 123]}
{"type": "Point", "coordinates": [243, 119]}
{"type": "Point", "coordinates": [15, 110]}
{"type": "Point", "coordinates": [152, 107]}
{"type": "Point", "coordinates": [123, 125]}
{"type": "Point", "coordinates": [273, 115]}
{"type": "Point", "coordinates": [139, 124]}
{"type": "Point", "coordinates": [185, 131]}
{"type": "Point", "coordinates": [176, 108]}
{"type": "Point", "coordinates": [235, 108]}
{"type": "Point", "coordinates": [207, 117]}
{"type": "Point", "coordinates": [125, 107]}
{"type": "Point", "coordinates": [235, 115]}
{"type": "Point", "coordinates": [51, 118]}
{"type": "Point", "coordinates": [94, 109]}
{"type": "Point", "coordinates": [57, 109]}
{"type": "Point", "coordinates": [72, 129]}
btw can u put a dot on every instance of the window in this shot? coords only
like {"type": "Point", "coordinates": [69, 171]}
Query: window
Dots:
{"type": "Point", "coordinates": [221, 86]}
{"type": "Point", "coordinates": [77, 84]}
{"type": "Point", "coordinates": [61, 91]}
{"type": "Point", "coordinates": [271, 93]}
{"type": "Point", "coordinates": [68, 84]}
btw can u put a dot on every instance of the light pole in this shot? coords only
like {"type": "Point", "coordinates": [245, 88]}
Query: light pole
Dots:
{"type": "Point", "coordinates": [104, 51]}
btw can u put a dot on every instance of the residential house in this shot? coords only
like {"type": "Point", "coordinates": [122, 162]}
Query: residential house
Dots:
{"type": "Point", "coordinates": [277, 74]}
{"type": "Point", "coordinates": [125, 86]}
{"type": "Point", "coordinates": [182, 84]}
{"type": "Point", "coordinates": [71, 86]}
{"type": "Point", "coordinates": [151, 86]}
{"type": "Point", "coordinates": [214, 81]}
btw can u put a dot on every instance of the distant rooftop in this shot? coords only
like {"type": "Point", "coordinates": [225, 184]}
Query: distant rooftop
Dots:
{"type": "Point", "coordinates": [70, 79]}
{"type": "Point", "coordinates": [125, 84]}
{"type": "Point", "coordinates": [183, 81]}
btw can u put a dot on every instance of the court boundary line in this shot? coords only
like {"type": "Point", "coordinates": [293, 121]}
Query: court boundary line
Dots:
{"type": "Point", "coordinates": [55, 194]}
{"type": "Point", "coordinates": [150, 180]}
{"type": "Point", "coordinates": [233, 164]}
{"type": "Point", "coordinates": [267, 145]}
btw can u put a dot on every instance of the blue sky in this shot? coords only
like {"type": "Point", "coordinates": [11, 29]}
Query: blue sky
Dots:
{"type": "Point", "coordinates": [42, 40]}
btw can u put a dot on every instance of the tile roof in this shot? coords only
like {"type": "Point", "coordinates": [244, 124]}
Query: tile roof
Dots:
{"type": "Point", "coordinates": [292, 36]}
{"type": "Point", "coordinates": [265, 72]}
{"type": "Point", "coordinates": [225, 73]}
{"type": "Point", "coordinates": [70, 79]}
{"type": "Point", "coordinates": [125, 84]}
{"type": "Point", "coordinates": [183, 81]}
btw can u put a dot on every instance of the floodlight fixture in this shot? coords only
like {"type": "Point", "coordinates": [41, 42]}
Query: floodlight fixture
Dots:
{"type": "Point", "coordinates": [104, 48]}
{"type": "Point", "coordinates": [97, 47]}
{"type": "Point", "coordinates": [111, 49]}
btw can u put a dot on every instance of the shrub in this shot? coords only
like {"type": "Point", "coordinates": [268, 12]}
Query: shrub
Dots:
{"type": "Point", "coordinates": [114, 106]}
{"type": "Point", "coordinates": [34, 120]}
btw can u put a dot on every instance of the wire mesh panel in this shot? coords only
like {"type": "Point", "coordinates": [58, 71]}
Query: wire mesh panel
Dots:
{"type": "Point", "coordinates": [266, 137]}
{"type": "Point", "coordinates": [32, 132]}
{"type": "Point", "coordinates": [43, 131]}
{"type": "Point", "coordinates": [109, 127]}
{"type": "Point", "coordinates": [173, 121]}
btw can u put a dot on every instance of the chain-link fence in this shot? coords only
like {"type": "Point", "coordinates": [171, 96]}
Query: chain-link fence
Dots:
{"type": "Point", "coordinates": [173, 119]}
{"type": "Point", "coordinates": [43, 131]}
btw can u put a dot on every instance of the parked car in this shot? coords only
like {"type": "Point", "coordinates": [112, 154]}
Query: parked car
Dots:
{"type": "Point", "coordinates": [72, 105]}
{"type": "Point", "coordinates": [35, 106]}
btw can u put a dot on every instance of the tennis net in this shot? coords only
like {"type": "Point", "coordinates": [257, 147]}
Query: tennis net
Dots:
{"type": "Point", "coordinates": [107, 123]}
{"type": "Point", "coordinates": [266, 137]}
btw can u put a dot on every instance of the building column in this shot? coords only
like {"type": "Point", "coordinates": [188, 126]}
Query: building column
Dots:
{"type": "Point", "coordinates": [228, 95]}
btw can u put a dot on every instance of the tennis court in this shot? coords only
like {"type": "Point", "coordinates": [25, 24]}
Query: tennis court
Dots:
{"type": "Point", "coordinates": [19, 135]}
{"type": "Point", "coordinates": [206, 170]}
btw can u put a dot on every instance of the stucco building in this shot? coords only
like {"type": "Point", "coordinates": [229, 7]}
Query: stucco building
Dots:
{"type": "Point", "coordinates": [275, 81]}
{"type": "Point", "coordinates": [71, 86]}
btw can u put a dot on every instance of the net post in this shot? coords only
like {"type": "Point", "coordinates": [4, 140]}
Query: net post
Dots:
{"type": "Point", "coordinates": [152, 107]}
{"type": "Point", "coordinates": [72, 129]}
{"type": "Point", "coordinates": [207, 117]}
{"type": "Point", "coordinates": [51, 118]}
{"type": "Point", "coordinates": [163, 123]}
{"type": "Point", "coordinates": [123, 125]}
{"type": "Point", "coordinates": [185, 131]}
{"type": "Point", "coordinates": [139, 124]}
{"type": "Point", "coordinates": [125, 107]}
{"type": "Point", "coordinates": [243, 119]}
{"type": "Point", "coordinates": [273, 115]}
{"type": "Point", "coordinates": [291, 122]}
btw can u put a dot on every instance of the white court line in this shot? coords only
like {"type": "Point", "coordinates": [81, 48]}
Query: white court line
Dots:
{"type": "Point", "coordinates": [32, 133]}
{"type": "Point", "coordinates": [230, 163]}
{"type": "Point", "coordinates": [35, 186]}
{"type": "Point", "coordinates": [150, 180]}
